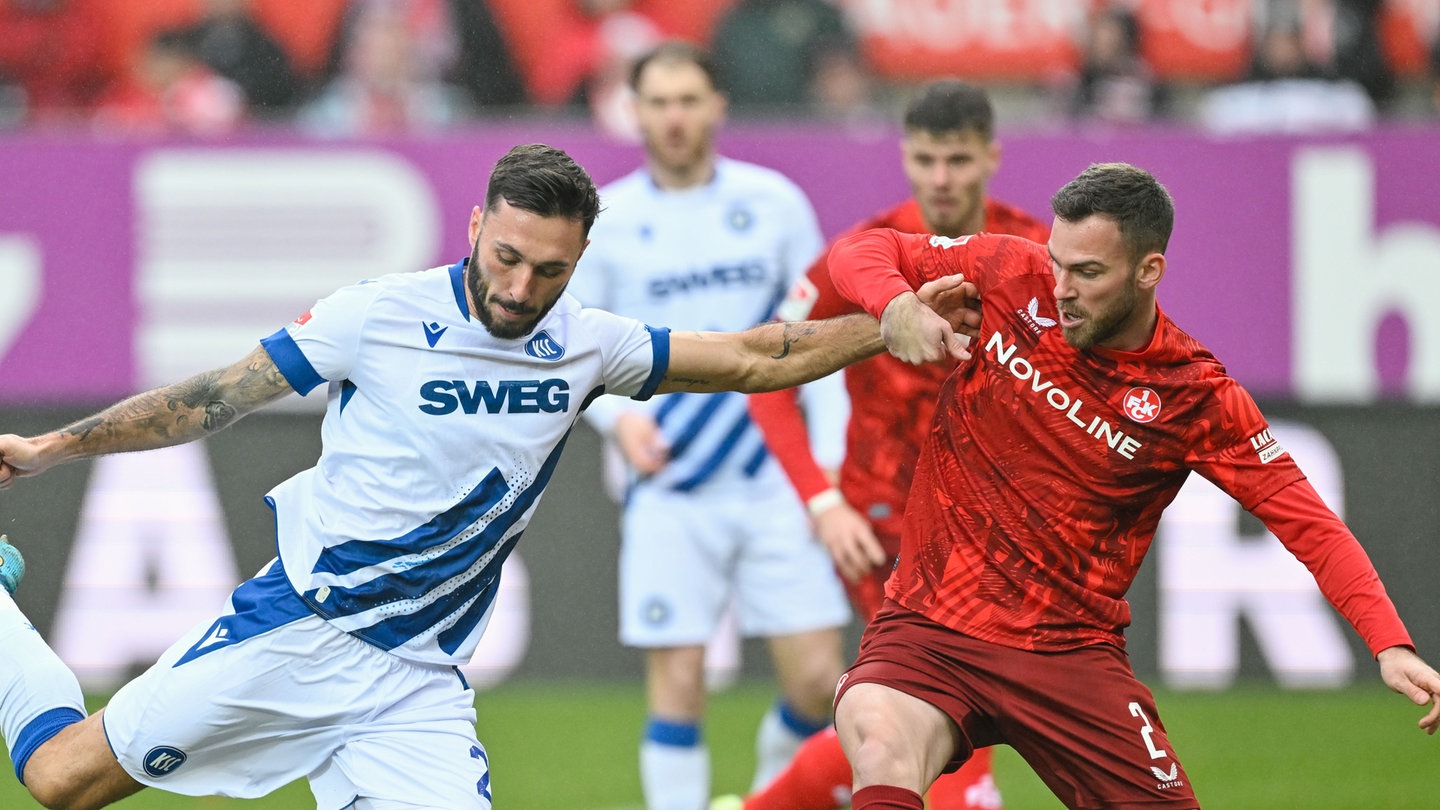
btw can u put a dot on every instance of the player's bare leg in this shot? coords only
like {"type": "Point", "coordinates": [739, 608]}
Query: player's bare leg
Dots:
{"type": "Point", "coordinates": [807, 665]}
{"type": "Point", "coordinates": [674, 762]}
{"type": "Point", "coordinates": [76, 770]}
{"type": "Point", "coordinates": [893, 740]}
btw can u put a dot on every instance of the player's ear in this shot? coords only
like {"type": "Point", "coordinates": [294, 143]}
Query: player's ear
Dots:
{"type": "Point", "coordinates": [477, 214]}
{"type": "Point", "coordinates": [1152, 269]}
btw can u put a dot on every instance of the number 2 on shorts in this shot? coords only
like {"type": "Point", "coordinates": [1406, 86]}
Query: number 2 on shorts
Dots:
{"type": "Point", "coordinates": [1145, 730]}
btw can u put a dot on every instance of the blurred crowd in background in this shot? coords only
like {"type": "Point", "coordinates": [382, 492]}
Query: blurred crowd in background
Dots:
{"type": "Point", "coordinates": [368, 68]}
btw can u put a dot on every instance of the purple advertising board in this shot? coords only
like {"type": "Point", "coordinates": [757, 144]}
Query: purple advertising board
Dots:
{"type": "Point", "coordinates": [1301, 262]}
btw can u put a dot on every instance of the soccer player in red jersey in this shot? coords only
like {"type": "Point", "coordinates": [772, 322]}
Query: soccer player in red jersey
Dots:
{"type": "Point", "coordinates": [1037, 494]}
{"type": "Point", "coordinates": [949, 154]}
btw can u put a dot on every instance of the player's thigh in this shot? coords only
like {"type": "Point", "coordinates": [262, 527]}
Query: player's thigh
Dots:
{"type": "Point", "coordinates": [785, 582]}
{"type": "Point", "coordinates": [1091, 731]}
{"type": "Point", "coordinates": [674, 570]}
{"type": "Point", "coordinates": [428, 765]}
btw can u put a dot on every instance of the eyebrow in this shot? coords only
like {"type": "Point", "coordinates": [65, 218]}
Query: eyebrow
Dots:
{"type": "Point", "coordinates": [506, 246]}
{"type": "Point", "coordinates": [1076, 265]}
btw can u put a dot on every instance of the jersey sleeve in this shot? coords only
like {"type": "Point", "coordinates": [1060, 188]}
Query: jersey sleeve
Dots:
{"type": "Point", "coordinates": [871, 267]}
{"type": "Point", "coordinates": [323, 343]}
{"type": "Point", "coordinates": [1233, 448]}
{"type": "Point", "coordinates": [1319, 539]}
{"type": "Point", "coordinates": [636, 357]}
{"type": "Point", "coordinates": [778, 415]}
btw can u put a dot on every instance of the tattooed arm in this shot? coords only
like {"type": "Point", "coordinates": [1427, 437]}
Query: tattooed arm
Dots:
{"type": "Point", "coordinates": [769, 356]}
{"type": "Point", "coordinates": [174, 414]}
{"type": "Point", "coordinates": [772, 356]}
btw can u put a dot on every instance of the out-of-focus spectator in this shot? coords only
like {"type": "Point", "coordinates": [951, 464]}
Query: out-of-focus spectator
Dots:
{"type": "Point", "coordinates": [1357, 53]}
{"type": "Point", "coordinates": [1286, 91]}
{"type": "Point", "coordinates": [484, 65]}
{"type": "Point", "coordinates": [617, 36]}
{"type": "Point", "coordinates": [788, 53]}
{"type": "Point", "coordinates": [389, 79]}
{"type": "Point", "coordinates": [234, 45]}
{"type": "Point", "coordinates": [1114, 83]}
{"type": "Point", "coordinates": [169, 90]}
{"type": "Point", "coordinates": [47, 60]}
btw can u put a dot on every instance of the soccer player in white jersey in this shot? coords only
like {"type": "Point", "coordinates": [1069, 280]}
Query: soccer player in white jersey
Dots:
{"type": "Point", "coordinates": [451, 392]}
{"type": "Point", "coordinates": [697, 240]}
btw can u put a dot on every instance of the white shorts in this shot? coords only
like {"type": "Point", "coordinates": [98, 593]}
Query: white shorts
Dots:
{"type": "Point", "coordinates": [270, 693]}
{"type": "Point", "coordinates": [683, 555]}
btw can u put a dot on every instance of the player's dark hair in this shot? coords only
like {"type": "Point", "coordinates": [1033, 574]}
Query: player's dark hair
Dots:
{"type": "Point", "coordinates": [950, 105]}
{"type": "Point", "coordinates": [1128, 195]}
{"type": "Point", "coordinates": [675, 52]}
{"type": "Point", "coordinates": [545, 181]}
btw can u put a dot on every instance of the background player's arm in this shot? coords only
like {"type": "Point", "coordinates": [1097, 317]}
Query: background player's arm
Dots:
{"type": "Point", "coordinates": [173, 414]}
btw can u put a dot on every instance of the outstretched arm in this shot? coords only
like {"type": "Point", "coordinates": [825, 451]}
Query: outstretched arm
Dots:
{"type": "Point", "coordinates": [174, 414]}
{"type": "Point", "coordinates": [770, 356]}
{"type": "Point", "coordinates": [1405, 672]}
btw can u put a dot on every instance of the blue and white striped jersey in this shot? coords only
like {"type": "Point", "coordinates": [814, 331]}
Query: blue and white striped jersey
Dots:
{"type": "Point", "coordinates": [715, 257]}
{"type": "Point", "coordinates": [438, 440]}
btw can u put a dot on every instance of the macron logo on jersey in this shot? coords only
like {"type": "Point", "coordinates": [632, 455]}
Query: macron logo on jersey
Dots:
{"type": "Point", "coordinates": [444, 397]}
{"type": "Point", "coordinates": [433, 331]}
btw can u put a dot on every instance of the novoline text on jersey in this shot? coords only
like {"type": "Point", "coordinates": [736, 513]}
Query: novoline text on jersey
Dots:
{"type": "Point", "coordinates": [1060, 399]}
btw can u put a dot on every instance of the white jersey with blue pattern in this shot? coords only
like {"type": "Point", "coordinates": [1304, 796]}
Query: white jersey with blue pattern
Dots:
{"type": "Point", "coordinates": [438, 440]}
{"type": "Point", "coordinates": [720, 257]}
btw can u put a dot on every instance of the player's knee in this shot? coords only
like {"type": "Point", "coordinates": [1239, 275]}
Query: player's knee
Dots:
{"type": "Point", "coordinates": [52, 789]}
{"type": "Point", "coordinates": [878, 760]}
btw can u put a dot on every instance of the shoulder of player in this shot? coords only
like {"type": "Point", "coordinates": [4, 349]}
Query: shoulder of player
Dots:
{"type": "Point", "coordinates": [752, 179]}
{"type": "Point", "coordinates": [1002, 217]}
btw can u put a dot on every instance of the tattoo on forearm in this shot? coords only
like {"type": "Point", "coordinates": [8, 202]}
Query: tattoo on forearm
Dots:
{"type": "Point", "coordinates": [790, 334]}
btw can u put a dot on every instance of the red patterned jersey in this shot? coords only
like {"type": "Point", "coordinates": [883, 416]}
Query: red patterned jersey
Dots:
{"type": "Point", "coordinates": [1042, 479]}
{"type": "Point", "coordinates": [891, 402]}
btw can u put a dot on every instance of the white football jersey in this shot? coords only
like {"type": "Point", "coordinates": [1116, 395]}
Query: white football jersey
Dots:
{"type": "Point", "coordinates": [720, 256]}
{"type": "Point", "coordinates": [438, 440]}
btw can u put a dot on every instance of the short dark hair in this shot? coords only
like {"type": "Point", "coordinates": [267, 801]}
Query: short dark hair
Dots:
{"type": "Point", "coordinates": [1128, 195]}
{"type": "Point", "coordinates": [545, 181]}
{"type": "Point", "coordinates": [675, 52]}
{"type": "Point", "coordinates": [950, 105]}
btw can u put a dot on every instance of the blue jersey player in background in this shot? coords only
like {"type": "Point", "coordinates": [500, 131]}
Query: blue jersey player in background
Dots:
{"type": "Point", "coordinates": [699, 241]}
{"type": "Point", "coordinates": [451, 392]}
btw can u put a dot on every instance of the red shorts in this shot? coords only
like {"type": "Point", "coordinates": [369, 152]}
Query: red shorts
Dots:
{"type": "Point", "coordinates": [1080, 718]}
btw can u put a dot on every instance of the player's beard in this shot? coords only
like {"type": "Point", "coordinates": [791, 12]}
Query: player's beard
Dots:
{"type": "Point", "coordinates": [1098, 327]}
{"type": "Point", "coordinates": [480, 294]}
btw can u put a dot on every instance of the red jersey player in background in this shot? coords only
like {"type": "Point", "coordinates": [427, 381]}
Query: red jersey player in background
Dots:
{"type": "Point", "coordinates": [949, 154]}
{"type": "Point", "coordinates": [1037, 494]}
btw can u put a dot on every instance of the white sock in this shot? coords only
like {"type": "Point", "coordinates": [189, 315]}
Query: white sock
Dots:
{"type": "Point", "coordinates": [39, 695]}
{"type": "Point", "coordinates": [674, 767]}
{"type": "Point", "coordinates": [779, 737]}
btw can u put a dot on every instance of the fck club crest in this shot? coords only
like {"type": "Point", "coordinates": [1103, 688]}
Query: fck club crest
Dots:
{"type": "Point", "coordinates": [1141, 404]}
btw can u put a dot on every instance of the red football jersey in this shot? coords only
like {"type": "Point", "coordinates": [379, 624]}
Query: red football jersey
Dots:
{"type": "Point", "coordinates": [1041, 482]}
{"type": "Point", "coordinates": [891, 402]}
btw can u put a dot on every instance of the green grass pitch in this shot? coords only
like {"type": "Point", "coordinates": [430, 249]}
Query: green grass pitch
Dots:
{"type": "Point", "coordinates": [556, 746]}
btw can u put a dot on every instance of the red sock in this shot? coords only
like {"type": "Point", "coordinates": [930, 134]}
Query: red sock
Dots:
{"type": "Point", "coordinates": [817, 778]}
{"type": "Point", "coordinates": [886, 797]}
{"type": "Point", "coordinates": [970, 788]}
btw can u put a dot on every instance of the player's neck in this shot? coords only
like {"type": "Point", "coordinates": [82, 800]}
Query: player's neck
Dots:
{"type": "Point", "coordinates": [1136, 334]}
{"type": "Point", "coordinates": [973, 225]}
{"type": "Point", "coordinates": [679, 178]}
